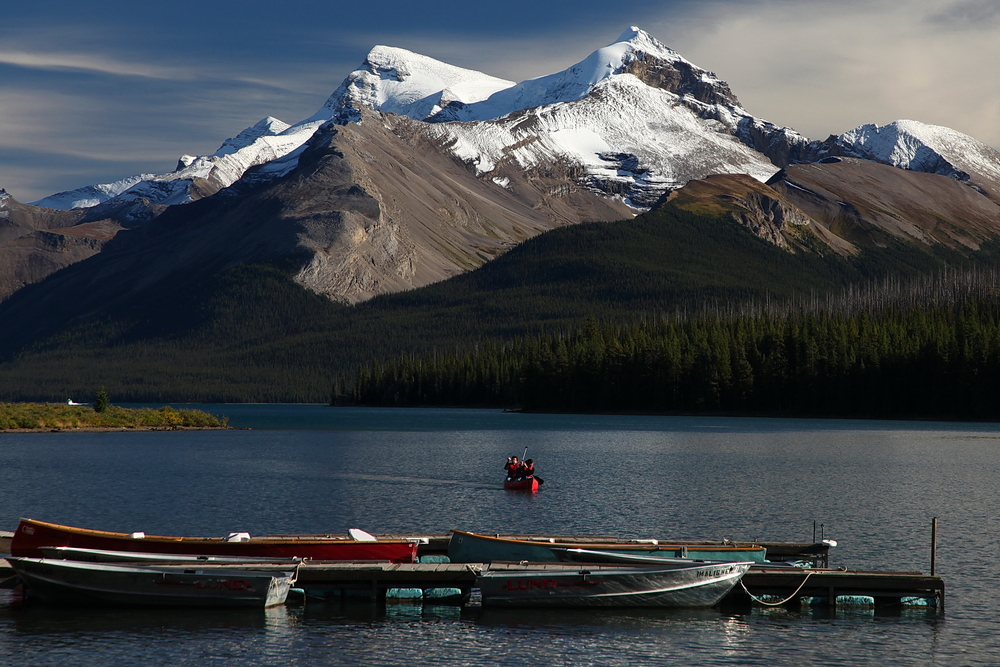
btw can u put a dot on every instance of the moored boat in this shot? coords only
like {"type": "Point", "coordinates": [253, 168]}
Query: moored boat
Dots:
{"type": "Point", "coordinates": [682, 584]}
{"type": "Point", "coordinates": [76, 582]}
{"type": "Point", "coordinates": [136, 557]}
{"type": "Point", "coordinates": [466, 547]}
{"type": "Point", "coordinates": [31, 535]}
{"type": "Point", "coordinates": [621, 558]}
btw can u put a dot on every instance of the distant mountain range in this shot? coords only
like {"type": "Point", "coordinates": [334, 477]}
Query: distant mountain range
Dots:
{"type": "Point", "coordinates": [415, 171]}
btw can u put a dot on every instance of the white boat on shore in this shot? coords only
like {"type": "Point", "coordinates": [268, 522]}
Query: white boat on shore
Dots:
{"type": "Point", "coordinates": [79, 582]}
{"type": "Point", "coordinates": [683, 583]}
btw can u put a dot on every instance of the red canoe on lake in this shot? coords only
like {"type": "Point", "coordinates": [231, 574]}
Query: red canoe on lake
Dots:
{"type": "Point", "coordinates": [528, 484]}
{"type": "Point", "coordinates": [31, 535]}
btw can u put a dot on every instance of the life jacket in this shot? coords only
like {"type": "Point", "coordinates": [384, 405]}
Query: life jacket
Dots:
{"type": "Point", "coordinates": [527, 471]}
{"type": "Point", "coordinates": [513, 469]}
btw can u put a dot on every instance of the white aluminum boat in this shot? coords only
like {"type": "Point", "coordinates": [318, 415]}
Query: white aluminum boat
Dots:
{"type": "Point", "coordinates": [679, 584]}
{"type": "Point", "coordinates": [79, 582]}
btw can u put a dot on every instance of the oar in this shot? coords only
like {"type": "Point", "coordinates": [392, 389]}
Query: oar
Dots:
{"type": "Point", "coordinates": [540, 480]}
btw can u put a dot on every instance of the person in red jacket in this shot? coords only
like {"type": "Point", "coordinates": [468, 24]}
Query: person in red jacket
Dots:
{"type": "Point", "coordinates": [513, 467]}
{"type": "Point", "coordinates": [528, 469]}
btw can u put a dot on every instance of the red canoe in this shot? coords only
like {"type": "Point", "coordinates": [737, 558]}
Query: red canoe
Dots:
{"type": "Point", "coordinates": [31, 535]}
{"type": "Point", "coordinates": [529, 484]}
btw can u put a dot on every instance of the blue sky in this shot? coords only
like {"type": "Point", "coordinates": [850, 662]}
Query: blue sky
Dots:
{"type": "Point", "coordinates": [92, 92]}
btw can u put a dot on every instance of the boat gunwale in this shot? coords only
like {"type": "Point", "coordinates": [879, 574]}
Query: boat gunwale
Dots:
{"type": "Point", "coordinates": [149, 569]}
{"type": "Point", "coordinates": [646, 545]}
{"type": "Point", "coordinates": [269, 539]}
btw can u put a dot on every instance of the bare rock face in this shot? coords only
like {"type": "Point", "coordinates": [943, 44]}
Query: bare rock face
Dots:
{"type": "Point", "coordinates": [867, 203]}
{"type": "Point", "coordinates": [408, 213]}
{"type": "Point", "coordinates": [759, 208]}
{"type": "Point", "coordinates": [848, 204]}
{"type": "Point", "coordinates": [36, 242]}
{"type": "Point", "coordinates": [681, 77]}
{"type": "Point", "coordinates": [770, 217]}
{"type": "Point", "coordinates": [372, 208]}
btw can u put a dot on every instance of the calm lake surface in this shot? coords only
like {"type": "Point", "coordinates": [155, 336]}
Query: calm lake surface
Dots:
{"type": "Point", "coordinates": [875, 487]}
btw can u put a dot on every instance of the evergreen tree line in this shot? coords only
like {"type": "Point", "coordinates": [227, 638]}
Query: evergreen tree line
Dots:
{"type": "Point", "coordinates": [251, 334]}
{"type": "Point", "coordinates": [925, 348]}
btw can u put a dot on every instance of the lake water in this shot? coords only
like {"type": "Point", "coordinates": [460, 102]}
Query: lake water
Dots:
{"type": "Point", "coordinates": [874, 486]}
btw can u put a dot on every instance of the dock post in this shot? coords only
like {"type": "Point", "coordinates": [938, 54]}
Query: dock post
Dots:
{"type": "Point", "coordinates": [934, 546]}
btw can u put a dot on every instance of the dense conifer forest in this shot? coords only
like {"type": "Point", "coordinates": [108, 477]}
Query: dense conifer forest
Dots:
{"type": "Point", "coordinates": [929, 348]}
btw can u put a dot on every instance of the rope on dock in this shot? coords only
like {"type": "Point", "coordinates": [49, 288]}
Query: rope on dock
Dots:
{"type": "Point", "coordinates": [776, 604]}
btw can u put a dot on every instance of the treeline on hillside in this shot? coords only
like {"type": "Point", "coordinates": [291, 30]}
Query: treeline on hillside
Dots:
{"type": "Point", "coordinates": [924, 349]}
{"type": "Point", "coordinates": [251, 334]}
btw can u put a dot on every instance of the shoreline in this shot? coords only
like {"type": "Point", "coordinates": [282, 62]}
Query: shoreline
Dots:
{"type": "Point", "coordinates": [101, 429]}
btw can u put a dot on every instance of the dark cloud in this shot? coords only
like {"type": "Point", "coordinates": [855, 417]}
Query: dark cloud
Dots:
{"type": "Point", "coordinates": [968, 14]}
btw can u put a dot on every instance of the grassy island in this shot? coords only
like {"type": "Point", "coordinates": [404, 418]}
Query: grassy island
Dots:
{"type": "Point", "coordinates": [55, 416]}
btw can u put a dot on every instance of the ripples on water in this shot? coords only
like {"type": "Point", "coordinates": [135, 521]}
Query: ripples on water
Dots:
{"type": "Point", "coordinates": [874, 485]}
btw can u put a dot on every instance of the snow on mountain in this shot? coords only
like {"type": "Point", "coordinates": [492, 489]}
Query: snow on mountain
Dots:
{"type": "Point", "coordinates": [917, 146]}
{"type": "Point", "coordinates": [625, 138]}
{"type": "Point", "coordinates": [263, 142]}
{"type": "Point", "coordinates": [632, 120]}
{"type": "Point", "coordinates": [392, 80]}
{"type": "Point", "coordinates": [398, 81]}
{"type": "Point", "coordinates": [648, 121]}
{"type": "Point", "coordinates": [268, 127]}
{"type": "Point", "coordinates": [633, 46]}
{"type": "Point", "coordinates": [90, 195]}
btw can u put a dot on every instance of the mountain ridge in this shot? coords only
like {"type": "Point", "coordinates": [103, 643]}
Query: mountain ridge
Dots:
{"type": "Point", "coordinates": [387, 203]}
{"type": "Point", "coordinates": [399, 81]}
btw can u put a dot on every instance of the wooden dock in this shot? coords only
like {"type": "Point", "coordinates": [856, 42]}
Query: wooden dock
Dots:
{"type": "Point", "coordinates": [761, 585]}
{"type": "Point", "coordinates": [837, 587]}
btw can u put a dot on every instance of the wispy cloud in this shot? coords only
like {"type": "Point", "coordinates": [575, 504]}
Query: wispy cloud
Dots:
{"type": "Point", "coordinates": [89, 62]}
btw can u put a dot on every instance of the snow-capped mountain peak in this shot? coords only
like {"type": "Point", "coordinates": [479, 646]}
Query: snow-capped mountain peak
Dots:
{"type": "Point", "coordinates": [635, 52]}
{"type": "Point", "coordinates": [630, 88]}
{"type": "Point", "coordinates": [917, 146]}
{"type": "Point", "coordinates": [266, 127]}
{"type": "Point", "coordinates": [631, 120]}
{"type": "Point", "coordinates": [266, 141]}
{"type": "Point", "coordinates": [409, 84]}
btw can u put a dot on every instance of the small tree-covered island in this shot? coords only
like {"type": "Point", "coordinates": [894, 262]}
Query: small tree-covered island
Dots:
{"type": "Point", "coordinates": [102, 416]}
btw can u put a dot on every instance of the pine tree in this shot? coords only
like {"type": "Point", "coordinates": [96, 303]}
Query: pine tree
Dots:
{"type": "Point", "coordinates": [102, 402]}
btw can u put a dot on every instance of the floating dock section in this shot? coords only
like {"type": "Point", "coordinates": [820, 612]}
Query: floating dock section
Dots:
{"type": "Point", "coordinates": [449, 583]}
{"type": "Point", "coordinates": [812, 587]}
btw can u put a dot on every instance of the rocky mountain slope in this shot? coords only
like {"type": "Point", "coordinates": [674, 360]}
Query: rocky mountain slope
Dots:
{"type": "Point", "coordinates": [36, 242]}
{"type": "Point", "coordinates": [372, 207]}
{"type": "Point", "coordinates": [848, 205]}
{"type": "Point", "coordinates": [415, 170]}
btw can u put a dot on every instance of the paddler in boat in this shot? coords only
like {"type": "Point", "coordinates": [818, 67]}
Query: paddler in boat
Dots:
{"type": "Point", "coordinates": [513, 467]}
{"type": "Point", "coordinates": [528, 469]}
